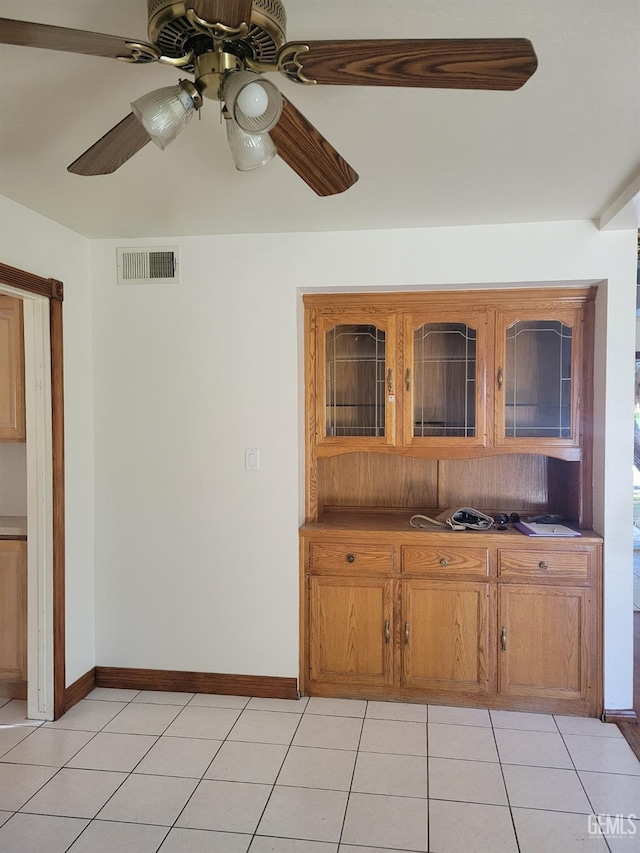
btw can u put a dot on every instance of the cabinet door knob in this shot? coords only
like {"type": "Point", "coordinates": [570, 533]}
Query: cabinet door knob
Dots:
{"type": "Point", "coordinates": [390, 380]}
{"type": "Point", "coordinates": [503, 639]}
{"type": "Point", "coordinates": [387, 632]}
{"type": "Point", "coordinates": [407, 379]}
{"type": "Point", "coordinates": [350, 558]}
{"type": "Point", "coordinates": [444, 561]}
{"type": "Point", "coordinates": [543, 565]}
{"type": "Point", "coordinates": [500, 378]}
{"type": "Point", "coordinates": [406, 633]}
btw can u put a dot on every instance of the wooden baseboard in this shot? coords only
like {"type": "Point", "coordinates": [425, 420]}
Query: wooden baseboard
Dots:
{"type": "Point", "coordinates": [631, 733]}
{"type": "Point", "coordinates": [79, 689]}
{"type": "Point", "coordinates": [266, 687]}
{"type": "Point", "coordinates": [620, 716]}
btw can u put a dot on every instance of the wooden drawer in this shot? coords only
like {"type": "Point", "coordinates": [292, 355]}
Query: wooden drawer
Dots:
{"type": "Point", "coordinates": [445, 561]}
{"type": "Point", "coordinates": [559, 565]}
{"type": "Point", "coordinates": [347, 559]}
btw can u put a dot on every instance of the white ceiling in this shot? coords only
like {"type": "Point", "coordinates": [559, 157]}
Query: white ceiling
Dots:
{"type": "Point", "coordinates": [565, 146]}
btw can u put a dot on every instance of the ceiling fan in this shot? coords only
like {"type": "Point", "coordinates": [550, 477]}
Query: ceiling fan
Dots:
{"type": "Point", "coordinates": [229, 45]}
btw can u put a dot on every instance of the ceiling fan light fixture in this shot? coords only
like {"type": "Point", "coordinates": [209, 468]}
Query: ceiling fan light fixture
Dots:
{"type": "Point", "coordinates": [249, 150]}
{"type": "Point", "coordinates": [253, 102]}
{"type": "Point", "coordinates": [166, 112]}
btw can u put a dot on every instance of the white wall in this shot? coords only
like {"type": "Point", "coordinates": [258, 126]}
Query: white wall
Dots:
{"type": "Point", "coordinates": [35, 244]}
{"type": "Point", "coordinates": [186, 376]}
{"type": "Point", "coordinates": [197, 559]}
{"type": "Point", "coordinates": [13, 478]}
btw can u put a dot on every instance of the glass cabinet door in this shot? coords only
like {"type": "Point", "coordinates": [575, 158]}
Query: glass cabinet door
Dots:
{"type": "Point", "coordinates": [536, 379]}
{"type": "Point", "coordinates": [357, 374]}
{"type": "Point", "coordinates": [443, 378]}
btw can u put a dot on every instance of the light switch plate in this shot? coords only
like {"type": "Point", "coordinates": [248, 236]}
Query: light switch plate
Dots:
{"type": "Point", "coordinates": [252, 459]}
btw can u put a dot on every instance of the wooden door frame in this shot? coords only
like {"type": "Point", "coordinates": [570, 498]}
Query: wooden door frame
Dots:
{"type": "Point", "coordinates": [52, 290]}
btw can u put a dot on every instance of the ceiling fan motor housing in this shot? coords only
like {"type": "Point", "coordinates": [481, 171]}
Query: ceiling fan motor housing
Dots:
{"type": "Point", "coordinates": [175, 36]}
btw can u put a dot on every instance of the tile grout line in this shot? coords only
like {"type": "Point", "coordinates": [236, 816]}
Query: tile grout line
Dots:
{"type": "Point", "coordinates": [607, 845]}
{"type": "Point", "coordinates": [355, 764]}
{"type": "Point", "coordinates": [132, 771]}
{"type": "Point", "coordinates": [202, 779]}
{"type": "Point", "coordinates": [128, 773]}
{"type": "Point", "coordinates": [59, 769]}
{"type": "Point", "coordinates": [504, 782]}
{"type": "Point", "coordinates": [35, 793]}
{"type": "Point", "coordinates": [126, 778]}
{"type": "Point", "coordinates": [428, 804]}
{"type": "Point", "coordinates": [225, 740]}
{"type": "Point", "coordinates": [273, 786]}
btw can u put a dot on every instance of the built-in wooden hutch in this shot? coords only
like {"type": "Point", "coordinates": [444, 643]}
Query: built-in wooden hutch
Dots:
{"type": "Point", "coordinates": [419, 402]}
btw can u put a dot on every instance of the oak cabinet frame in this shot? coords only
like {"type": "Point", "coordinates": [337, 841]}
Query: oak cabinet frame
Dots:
{"type": "Point", "coordinates": [452, 616]}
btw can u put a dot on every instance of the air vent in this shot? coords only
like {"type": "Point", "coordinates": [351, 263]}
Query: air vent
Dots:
{"type": "Point", "coordinates": [149, 266]}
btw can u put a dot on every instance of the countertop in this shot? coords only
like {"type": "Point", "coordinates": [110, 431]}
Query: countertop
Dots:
{"type": "Point", "coordinates": [13, 525]}
{"type": "Point", "coordinates": [378, 526]}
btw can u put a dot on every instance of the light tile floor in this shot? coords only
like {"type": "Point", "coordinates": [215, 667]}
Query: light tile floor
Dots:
{"type": "Point", "coordinates": [136, 772]}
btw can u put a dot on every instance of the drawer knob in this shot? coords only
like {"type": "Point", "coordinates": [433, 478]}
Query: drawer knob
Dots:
{"type": "Point", "coordinates": [350, 558]}
{"type": "Point", "coordinates": [543, 565]}
{"type": "Point", "coordinates": [444, 561]}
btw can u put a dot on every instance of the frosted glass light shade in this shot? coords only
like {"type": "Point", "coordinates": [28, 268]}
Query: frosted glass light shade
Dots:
{"type": "Point", "coordinates": [249, 150]}
{"type": "Point", "coordinates": [239, 91]}
{"type": "Point", "coordinates": [253, 100]}
{"type": "Point", "coordinates": [164, 113]}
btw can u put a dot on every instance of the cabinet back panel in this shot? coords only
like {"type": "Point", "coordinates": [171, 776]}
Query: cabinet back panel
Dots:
{"type": "Point", "coordinates": [564, 490]}
{"type": "Point", "coordinates": [517, 482]}
{"type": "Point", "coordinates": [505, 483]}
{"type": "Point", "coordinates": [377, 480]}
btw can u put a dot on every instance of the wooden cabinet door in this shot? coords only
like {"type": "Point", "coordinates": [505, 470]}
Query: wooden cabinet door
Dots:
{"type": "Point", "coordinates": [444, 377]}
{"type": "Point", "coordinates": [350, 631]}
{"type": "Point", "coordinates": [12, 426]}
{"type": "Point", "coordinates": [356, 380]}
{"type": "Point", "coordinates": [543, 639]}
{"type": "Point", "coordinates": [13, 610]}
{"type": "Point", "coordinates": [445, 635]}
{"type": "Point", "coordinates": [538, 377]}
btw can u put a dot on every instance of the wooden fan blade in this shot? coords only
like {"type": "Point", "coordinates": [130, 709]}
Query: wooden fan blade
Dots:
{"type": "Point", "coordinates": [28, 34]}
{"type": "Point", "coordinates": [309, 154]}
{"type": "Point", "coordinates": [231, 13]}
{"type": "Point", "coordinates": [115, 148]}
{"type": "Point", "coordinates": [431, 63]}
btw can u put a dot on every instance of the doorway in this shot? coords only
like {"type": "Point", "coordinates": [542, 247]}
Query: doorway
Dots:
{"type": "Point", "coordinates": [636, 489]}
{"type": "Point", "coordinates": [42, 304]}
{"type": "Point", "coordinates": [636, 456]}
